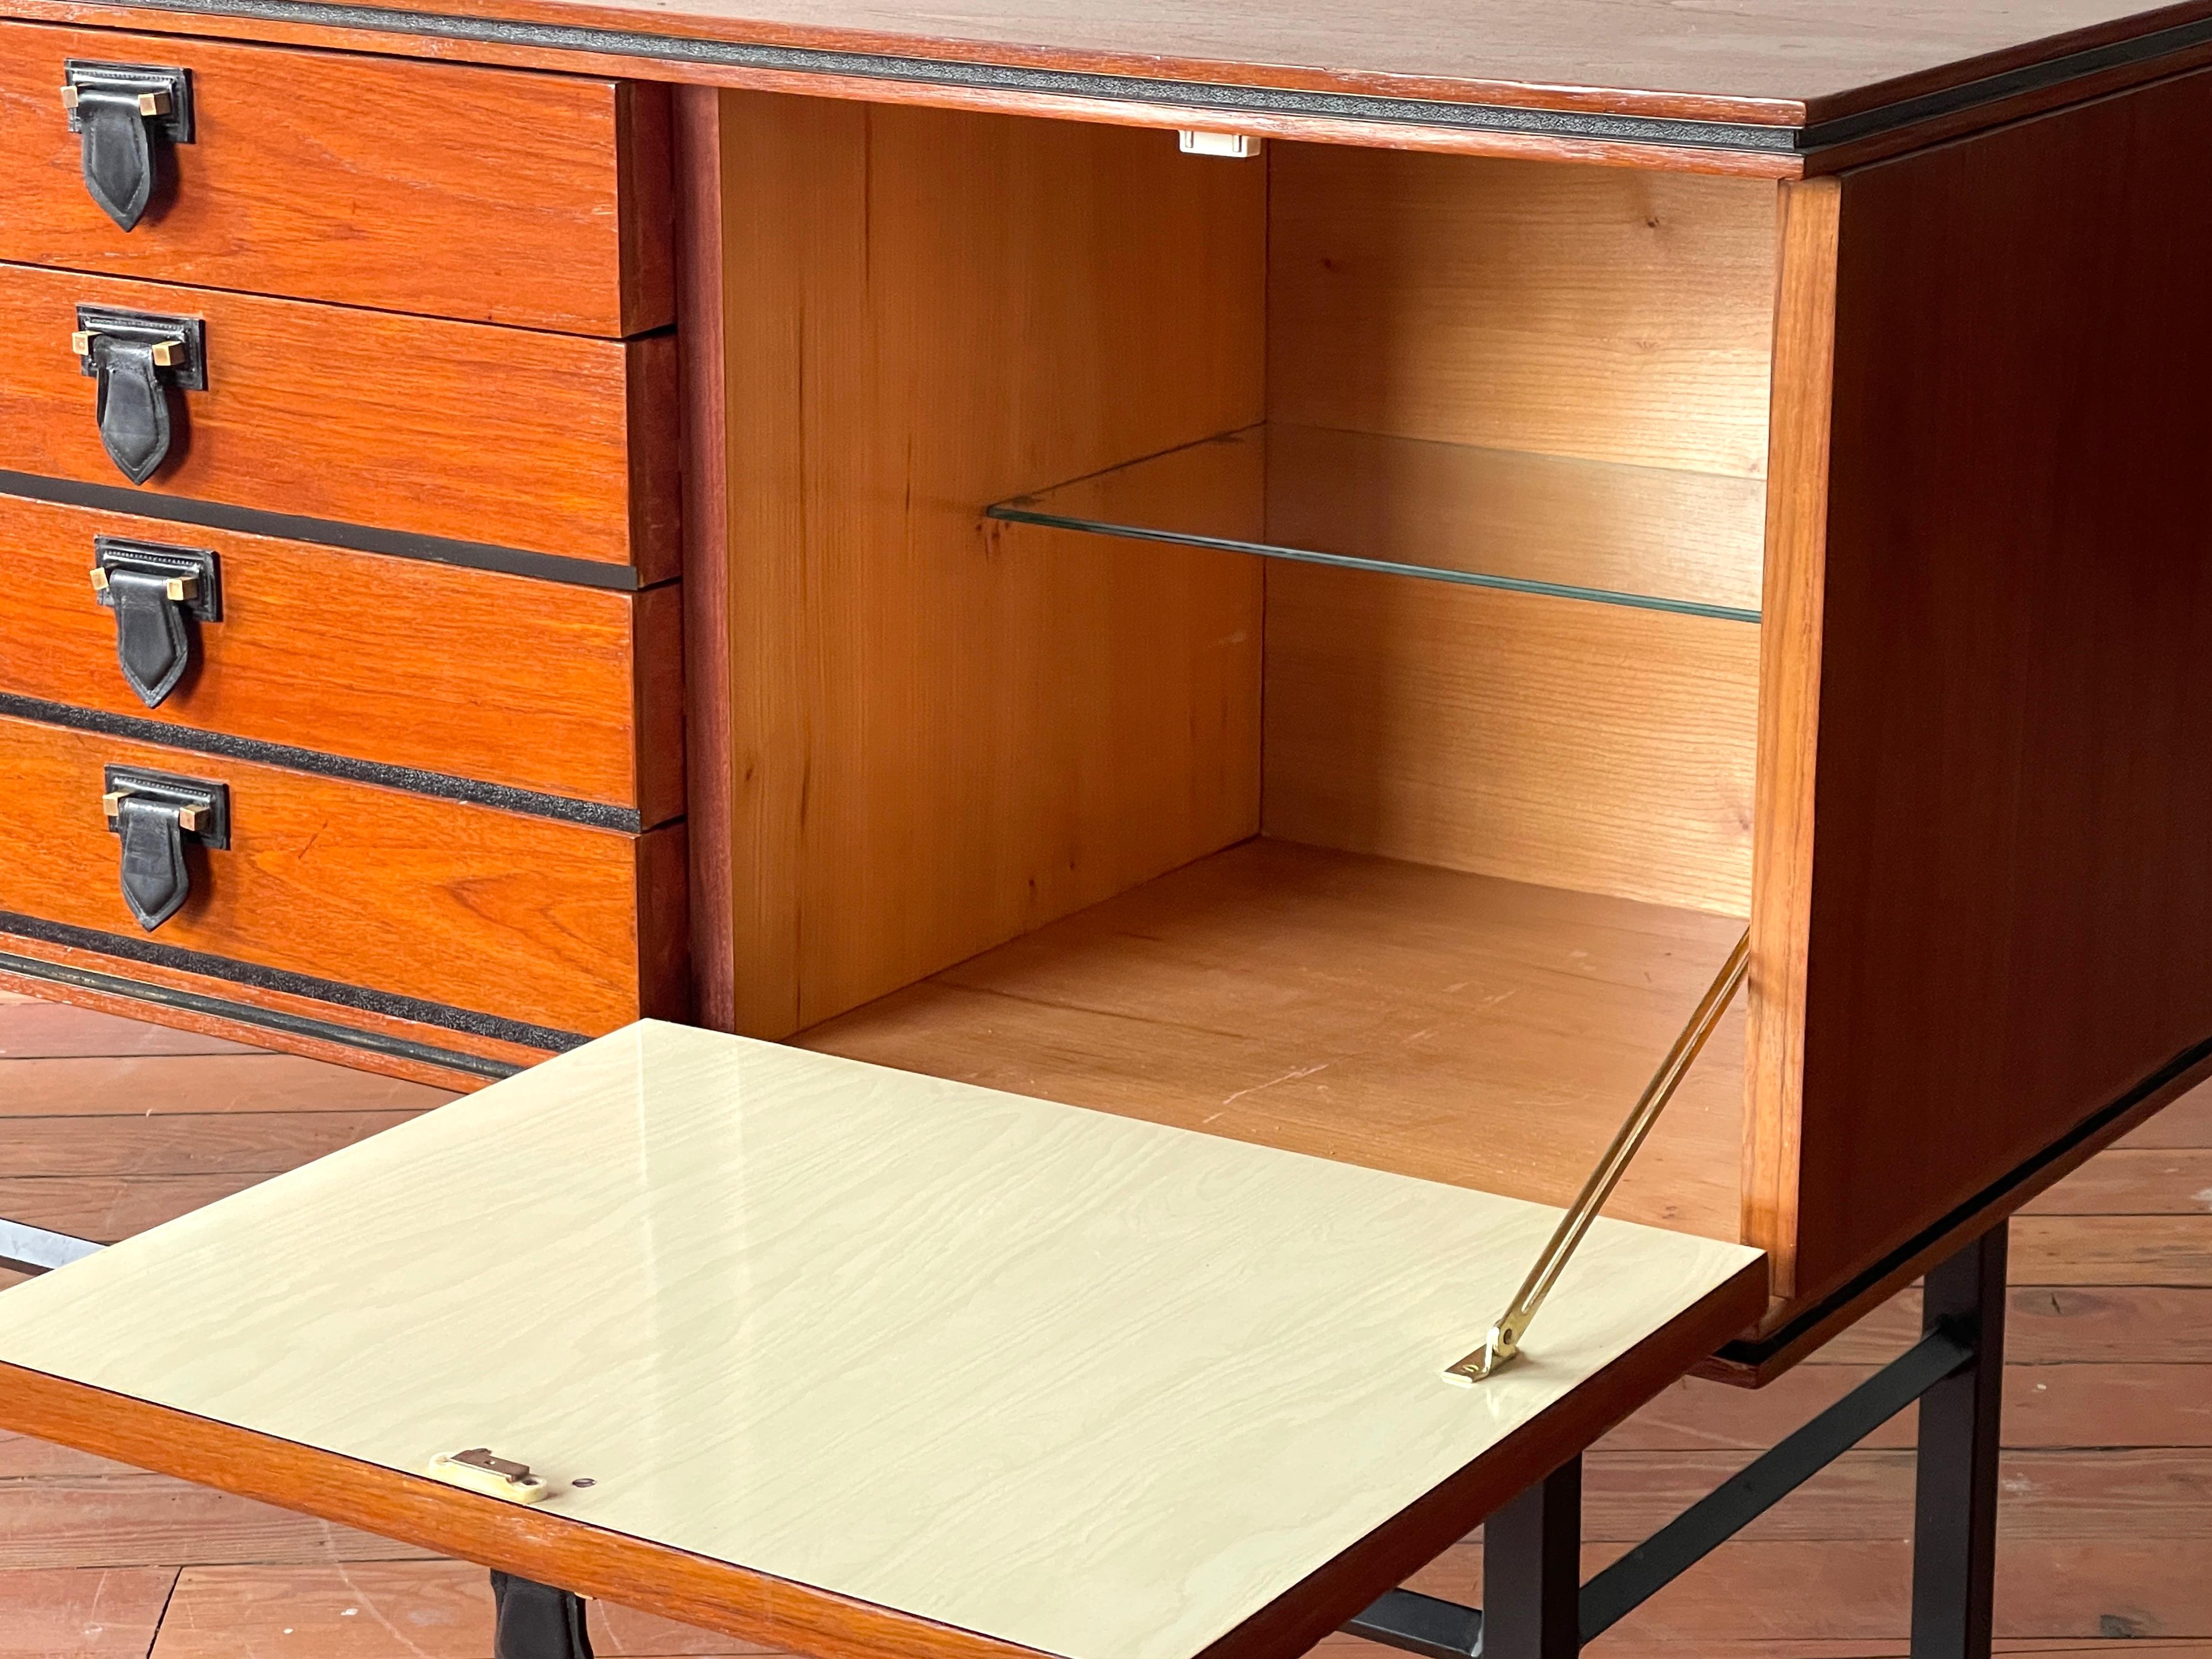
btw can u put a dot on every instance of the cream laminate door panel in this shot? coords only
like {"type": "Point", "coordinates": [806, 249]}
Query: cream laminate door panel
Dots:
{"type": "Point", "coordinates": [1093, 1386]}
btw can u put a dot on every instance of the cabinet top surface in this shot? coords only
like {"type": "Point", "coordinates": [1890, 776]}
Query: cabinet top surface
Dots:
{"type": "Point", "coordinates": [915, 1342]}
{"type": "Point", "coordinates": [1774, 62]}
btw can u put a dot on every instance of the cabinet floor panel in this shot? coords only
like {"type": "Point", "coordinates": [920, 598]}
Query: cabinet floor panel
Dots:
{"type": "Point", "coordinates": [1455, 1027]}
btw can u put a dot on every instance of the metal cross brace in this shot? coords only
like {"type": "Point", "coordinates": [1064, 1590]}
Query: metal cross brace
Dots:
{"type": "Point", "coordinates": [1955, 1369]}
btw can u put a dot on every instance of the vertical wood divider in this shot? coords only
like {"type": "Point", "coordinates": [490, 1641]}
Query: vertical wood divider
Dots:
{"type": "Point", "coordinates": [1789, 715]}
{"type": "Point", "coordinates": [707, 655]}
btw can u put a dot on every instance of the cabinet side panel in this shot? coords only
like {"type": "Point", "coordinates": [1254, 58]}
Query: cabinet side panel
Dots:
{"type": "Point", "coordinates": [2011, 898]}
{"type": "Point", "coordinates": [1789, 714]}
{"type": "Point", "coordinates": [946, 731]}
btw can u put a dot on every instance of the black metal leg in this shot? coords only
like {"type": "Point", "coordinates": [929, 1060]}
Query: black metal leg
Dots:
{"type": "Point", "coordinates": [1532, 1574]}
{"type": "Point", "coordinates": [536, 1621]}
{"type": "Point", "coordinates": [1954, 1531]}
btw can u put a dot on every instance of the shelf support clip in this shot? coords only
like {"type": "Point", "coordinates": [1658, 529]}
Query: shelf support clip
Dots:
{"type": "Point", "coordinates": [1502, 1344]}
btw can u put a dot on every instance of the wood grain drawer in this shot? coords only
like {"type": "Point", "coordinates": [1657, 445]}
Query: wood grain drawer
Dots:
{"type": "Point", "coordinates": [542, 686]}
{"type": "Point", "coordinates": [485, 195]}
{"type": "Point", "coordinates": [553, 925]}
{"type": "Point", "coordinates": [458, 431]}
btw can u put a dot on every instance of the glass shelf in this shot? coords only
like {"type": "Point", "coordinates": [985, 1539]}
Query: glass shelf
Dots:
{"type": "Point", "coordinates": [1655, 537]}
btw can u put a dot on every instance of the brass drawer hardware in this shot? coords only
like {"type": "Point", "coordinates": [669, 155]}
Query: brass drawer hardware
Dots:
{"type": "Point", "coordinates": [166, 353]}
{"type": "Point", "coordinates": [176, 587]}
{"type": "Point", "coordinates": [154, 592]}
{"type": "Point", "coordinates": [119, 109]}
{"type": "Point", "coordinates": [153, 812]}
{"type": "Point", "coordinates": [1503, 1345]}
{"type": "Point", "coordinates": [135, 357]}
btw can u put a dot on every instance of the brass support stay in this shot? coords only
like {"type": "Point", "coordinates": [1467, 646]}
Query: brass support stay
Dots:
{"type": "Point", "coordinates": [1504, 1342]}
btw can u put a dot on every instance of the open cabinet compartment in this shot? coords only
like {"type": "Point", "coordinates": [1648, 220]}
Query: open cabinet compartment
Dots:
{"type": "Point", "coordinates": [1413, 874]}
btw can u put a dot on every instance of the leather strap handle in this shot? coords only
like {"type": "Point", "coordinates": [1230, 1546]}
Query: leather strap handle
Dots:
{"type": "Point", "coordinates": [156, 883]}
{"type": "Point", "coordinates": [119, 109]}
{"type": "Point", "coordinates": [134, 358]}
{"type": "Point", "coordinates": [119, 153]}
{"type": "Point", "coordinates": [132, 406]}
{"type": "Point", "coordinates": [155, 592]}
{"type": "Point", "coordinates": [151, 642]}
{"type": "Point", "coordinates": [153, 814]}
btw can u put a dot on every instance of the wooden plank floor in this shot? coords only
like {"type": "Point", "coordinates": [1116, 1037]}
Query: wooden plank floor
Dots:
{"type": "Point", "coordinates": [107, 1126]}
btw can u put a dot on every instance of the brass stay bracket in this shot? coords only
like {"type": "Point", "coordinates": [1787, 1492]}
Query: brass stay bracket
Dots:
{"type": "Point", "coordinates": [1499, 1348]}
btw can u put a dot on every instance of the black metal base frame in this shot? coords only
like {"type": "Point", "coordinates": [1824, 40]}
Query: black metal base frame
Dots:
{"type": "Point", "coordinates": [1536, 1606]}
{"type": "Point", "coordinates": [536, 1621]}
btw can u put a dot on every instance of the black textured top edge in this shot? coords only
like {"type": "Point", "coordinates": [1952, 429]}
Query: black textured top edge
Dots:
{"type": "Point", "coordinates": [2031, 77]}
{"type": "Point", "coordinates": [323, 532]}
{"type": "Point", "coordinates": [1203, 95]}
{"type": "Point", "coordinates": [1198, 96]}
{"type": "Point", "coordinates": [190, 739]}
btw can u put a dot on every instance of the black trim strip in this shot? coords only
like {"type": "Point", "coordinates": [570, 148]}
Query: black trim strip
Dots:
{"type": "Point", "coordinates": [387, 1003]}
{"type": "Point", "coordinates": [1204, 95]}
{"type": "Point", "coordinates": [1758, 1351]}
{"type": "Point", "coordinates": [356, 539]}
{"type": "Point", "coordinates": [999, 77]}
{"type": "Point", "coordinates": [246, 1013]}
{"type": "Point", "coordinates": [528, 802]}
{"type": "Point", "coordinates": [2031, 77]}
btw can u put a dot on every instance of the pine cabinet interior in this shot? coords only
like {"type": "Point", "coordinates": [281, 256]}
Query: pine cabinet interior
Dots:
{"type": "Point", "coordinates": [1417, 873]}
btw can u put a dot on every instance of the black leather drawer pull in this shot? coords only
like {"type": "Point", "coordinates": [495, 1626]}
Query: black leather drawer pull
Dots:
{"type": "Point", "coordinates": [153, 812]}
{"type": "Point", "coordinates": [136, 356]}
{"type": "Point", "coordinates": [154, 592]}
{"type": "Point", "coordinates": [119, 109]}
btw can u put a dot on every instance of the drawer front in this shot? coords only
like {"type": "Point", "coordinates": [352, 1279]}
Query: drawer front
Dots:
{"type": "Point", "coordinates": [485, 195]}
{"type": "Point", "coordinates": [544, 686]}
{"type": "Point", "coordinates": [458, 431]}
{"type": "Point", "coordinates": [553, 925]}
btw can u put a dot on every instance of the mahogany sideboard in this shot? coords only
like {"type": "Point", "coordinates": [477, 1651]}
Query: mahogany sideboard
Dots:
{"type": "Point", "coordinates": [1291, 570]}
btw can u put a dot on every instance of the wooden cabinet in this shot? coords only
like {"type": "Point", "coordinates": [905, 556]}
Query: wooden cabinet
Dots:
{"type": "Point", "coordinates": [1330, 646]}
{"type": "Point", "coordinates": [1322, 634]}
{"type": "Point", "coordinates": [1205, 604]}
